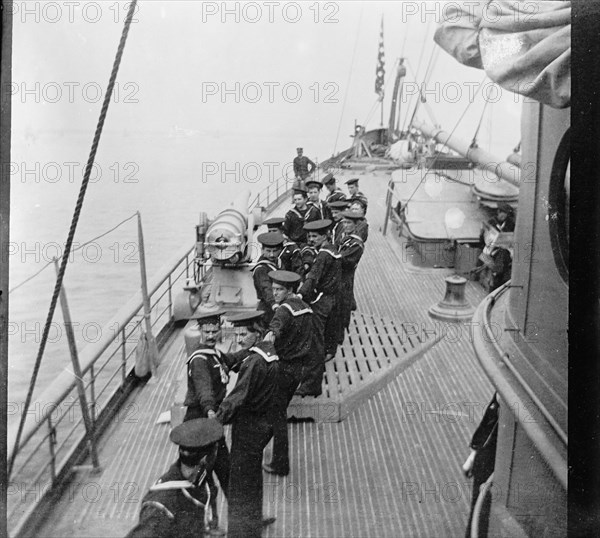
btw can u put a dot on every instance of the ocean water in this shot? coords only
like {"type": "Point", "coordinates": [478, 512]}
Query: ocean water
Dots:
{"type": "Point", "coordinates": [168, 177]}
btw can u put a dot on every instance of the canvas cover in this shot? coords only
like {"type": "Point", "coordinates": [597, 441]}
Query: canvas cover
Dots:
{"type": "Point", "coordinates": [524, 47]}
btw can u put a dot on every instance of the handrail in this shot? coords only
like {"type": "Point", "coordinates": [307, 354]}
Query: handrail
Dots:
{"type": "Point", "coordinates": [57, 428]}
{"type": "Point", "coordinates": [63, 384]}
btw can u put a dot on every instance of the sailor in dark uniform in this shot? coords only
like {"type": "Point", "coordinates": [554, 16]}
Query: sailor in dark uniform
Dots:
{"type": "Point", "coordinates": [480, 463]}
{"type": "Point", "coordinates": [249, 408]}
{"type": "Point", "coordinates": [176, 506]}
{"type": "Point", "coordinates": [290, 258]}
{"type": "Point", "coordinates": [362, 226]}
{"type": "Point", "coordinates": [292, 330]}
{"type": "Point", "coordinates": [355, 194]}
{"type": "Point", "coordinates": [207, 378]}
{"type": "Point", "coordinates": [303, 166]}
{"type": "Point", "coordinates": [335, 194]}
{"type": "Point", "coordinates": [319, 290]}
{"type": "Point", "coordinates": [318, 207]}
{"type": "Point", "coordinates": [337, 232]}
{"type": "Point", "coordinates": [351, 251]}
{"type": "Point", "coordinates": [295, 218]}
{"type": "Point", "coordinates": [272, 246]}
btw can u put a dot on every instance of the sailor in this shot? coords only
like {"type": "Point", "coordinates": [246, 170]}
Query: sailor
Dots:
{"type": "Point", "coordinates": [317, 206]}
{"type": "Point", "coordinates": [355, 194]}
{"type": "Point", "coordinates": [351, 251]}
{"type": "Point", "coordinates": [295, 218]}
{"type": "Point", "coordinates": [359, 206]}
{"type": "Point", "coordinates": [290, 258]}
{"type": "Point", "coordinates": [498, 260]}
{"type": "Point", "coordinates": [319, 290]}
{"type": "Point", "coordinates": [335, 194]}
{"type": "Point", "coordinates": [249, 408]}
{"type": "Point", "coordinates": [291, 330]}
{"type": "Point", "coordinates": [272, 247]}
{"type": "Point", "coordinates": [176, 506]}
{"type": "Point", "coordinates": [303, 166]}
{"type": "Point", "coordinates": [207, 378]}
{"type": "Point", "coordinates": [480, 463]}
{"type": "Point", "coordinates": [337, 208]}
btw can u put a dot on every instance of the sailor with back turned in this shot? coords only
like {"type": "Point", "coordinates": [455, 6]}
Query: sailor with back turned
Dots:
{"type": "Point", "coordinates": [177, 505]}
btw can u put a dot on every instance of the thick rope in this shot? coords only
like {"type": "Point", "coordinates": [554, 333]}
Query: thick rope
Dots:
{"type": "Point", "coordinates": [75, 220]}
{"type": "Point", "coordinates": [73, 250]}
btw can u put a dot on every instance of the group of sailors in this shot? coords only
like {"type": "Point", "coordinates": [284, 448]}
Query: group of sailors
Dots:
{"type": "Point", "coordinates": [304, 281]}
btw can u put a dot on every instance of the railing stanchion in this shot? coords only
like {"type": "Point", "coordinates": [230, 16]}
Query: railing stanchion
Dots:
{"type": "Point", "coordinates": [123, 355]}
{"type": "Point", "coordinates": [388, 209]}
{"type": "Point", "coordinates": [89, 424]}
{"type": "Point", "coordinates": [52, 447]}
{"type": "Point", "coordinates": [152, 348]}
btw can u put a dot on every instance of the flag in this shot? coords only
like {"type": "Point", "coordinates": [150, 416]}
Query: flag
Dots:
{"type": "Point", "coordinates": [380, 71]}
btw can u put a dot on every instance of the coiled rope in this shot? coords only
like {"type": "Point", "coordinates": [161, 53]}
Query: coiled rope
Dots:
{"type": "Point", "coordinates": [74, 221]}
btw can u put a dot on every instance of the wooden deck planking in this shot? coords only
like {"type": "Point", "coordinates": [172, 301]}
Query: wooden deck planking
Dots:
{"type": "Point", "coordinates": [372, 458]}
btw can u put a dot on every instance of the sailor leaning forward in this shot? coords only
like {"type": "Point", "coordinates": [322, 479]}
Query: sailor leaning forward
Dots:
{"type": "Point", "coordinates": [291, 330]}
{"type": "Point", "coordinates": [177, 505]}
{"type": "Point", "coordinates": [319, 290]}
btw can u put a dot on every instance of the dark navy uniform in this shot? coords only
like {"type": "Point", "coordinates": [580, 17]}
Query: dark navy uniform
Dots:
{"type": "Point", "coordinates": [262, 285]}
{"type": "Point", "coordinates": [362, 229]}
{"type": "Point", "coordinates": [319, 211]}
{"type": "Point", "coordinates": [207, 377]}
{"type": "Point", "coordinates": [484, 443]}
{"type": "Point", "coordinates": [292, 326]}
{"type": "Point", "coordinates": [293, 227]}
{"type": "Point", "coordinates": [337, 234]}
{"type": "Point", "coordinates": [320, 289]}
{"type": "Point", "coordinates": [309, 255]}
{"type": "Point", "coordinates": [176, 506]}
{"type": "Point", "coordinates": [250, 409]}
{"type": "Point", "coordinates": [351, 251]}
{"type": "Point", "coordinates": [290, 259]}
{"type": "Point", "coordinates": [336, 196]}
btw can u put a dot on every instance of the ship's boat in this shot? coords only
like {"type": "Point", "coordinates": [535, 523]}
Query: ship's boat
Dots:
{"type": "Point", "coordinates": [379, 452]}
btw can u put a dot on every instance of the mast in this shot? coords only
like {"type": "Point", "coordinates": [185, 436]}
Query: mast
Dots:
{"type": "Point", "coordinates": [5, 129]}
{"type": "Point", "coordinates": [485, 160]}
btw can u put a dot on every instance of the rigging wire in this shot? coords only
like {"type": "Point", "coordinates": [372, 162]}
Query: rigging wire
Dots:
{"type": "Point", "coordinates": [417, 72]}
{"type": "Point", "coordinates": [348, 81]}
{"type": "Point", "coordinates": [474, 141]}
{"type": "Point", "coordinates": [71, 234]}
{"type": "Point", "coordinates": [451, 133]}
{"type": "Point", "coordinates": [72, 250]}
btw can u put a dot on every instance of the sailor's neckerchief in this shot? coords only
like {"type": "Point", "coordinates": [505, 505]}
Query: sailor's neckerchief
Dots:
{"type": "Point", "coordinates": [217, 355]}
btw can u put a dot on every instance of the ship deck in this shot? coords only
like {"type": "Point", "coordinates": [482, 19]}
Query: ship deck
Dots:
{"type": "Point", "coordinates": [391, 467]}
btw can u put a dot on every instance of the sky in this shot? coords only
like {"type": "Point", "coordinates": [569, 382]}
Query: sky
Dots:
{"type": "Point", "coordinates": [300, 71]}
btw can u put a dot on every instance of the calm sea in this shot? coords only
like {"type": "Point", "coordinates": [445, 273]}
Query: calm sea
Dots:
{"type": "Point", "coordinates": [169, 177]}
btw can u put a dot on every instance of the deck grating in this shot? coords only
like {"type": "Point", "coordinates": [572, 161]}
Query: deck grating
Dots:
{"type": "Point", "coordinates": [391, 468]}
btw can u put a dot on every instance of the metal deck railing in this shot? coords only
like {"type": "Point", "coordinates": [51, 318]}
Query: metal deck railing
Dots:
{"type": "Point", "coordinates": [54, 438]}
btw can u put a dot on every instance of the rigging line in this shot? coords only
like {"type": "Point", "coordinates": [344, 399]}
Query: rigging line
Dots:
{"type": "Point", "coordinates": [28, 279]}
{"type": "Point", "coordinates": [76, 214]}
{"type": "Point", "coordinates": [348, 81]}
{"type": "Point", "coordinates": [73, 250]}
{"type": "Point", "coordinates": [105, 233]}
{"type": "Point", "coordinates": [451, 133]}
{"type": "Point", "coordinates": [419, 67]}
{"type": "Point", "coordinates": [474, 141]}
